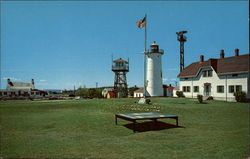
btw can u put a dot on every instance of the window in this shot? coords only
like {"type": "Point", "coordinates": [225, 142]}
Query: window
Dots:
{"type": "Point", "coordinates": [208, 73]}
{"type": "Point", "coordinates": [235, 88]}
{"type": "Point", "coordinates": [186, 88]}
{"type": "Point", "coordinates": [234, 75]}
{"type": "Point", "coordinates": [238, 88]}
{"type": "Point", "coordinates": [204, 73]}
{"type": "Point", "coordinates": [220, 89]}
{"type": "Point", "coordinates": [231, 89]}
{"type": "Point", "coordinates": [196, 88]}
{"type": "Point", "coordinates": [5, 93]}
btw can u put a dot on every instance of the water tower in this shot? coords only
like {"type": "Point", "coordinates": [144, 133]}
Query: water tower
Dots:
{"type": "Point", "coordinates": [120, 67]}
{"type": "Point", "coordinates": [154, 71]}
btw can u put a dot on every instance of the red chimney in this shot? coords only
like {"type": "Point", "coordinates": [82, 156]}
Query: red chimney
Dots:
{"type": "Point", "coordinates": [236, 52]}
{"type": "Point", "coordinates": [222, 54]}
{"type": "Point", "coordinates": [201, 58]}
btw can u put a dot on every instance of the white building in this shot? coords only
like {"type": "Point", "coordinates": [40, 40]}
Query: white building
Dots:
{"type": "Point", "coordinates": [218, 78]}
{"type": "Point", "coordinates": [154, 71]}
{"type": "Point", "coordinates": [167, 91]}
{"type": "Point", "coordinates": [139, 93]}
{"type": "Point", "coordinates": [16, 89]}
{"type": "Point", "coordinates": [177, 88]}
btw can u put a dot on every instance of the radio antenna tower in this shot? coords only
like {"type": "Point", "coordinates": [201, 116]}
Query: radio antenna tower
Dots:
{"type": "Point", "coordinates": [182, 39]}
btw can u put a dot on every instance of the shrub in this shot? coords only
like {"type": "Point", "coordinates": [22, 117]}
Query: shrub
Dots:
{"type": "Point", "coordinates": [71, 95]}
{"type": "Point", "coordinates": [210, 98]}
{"type": "Point", "coordinates": [200, 98]}
{"type": "Point", "coordinates": [148, 101]}
{"type": "Point", "coordinates": [180, 94]}
{"type": "Point", "coordinates": [240, 96]}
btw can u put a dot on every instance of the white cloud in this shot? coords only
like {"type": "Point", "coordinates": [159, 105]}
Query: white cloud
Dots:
{"type": "Point", "coordinates": [42, 80]}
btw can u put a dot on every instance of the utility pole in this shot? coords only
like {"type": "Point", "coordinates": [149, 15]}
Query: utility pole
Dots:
{"type": "Point", "coordinates": [182, 39]}
{"type": "Point", "coordinates": [74, 90]}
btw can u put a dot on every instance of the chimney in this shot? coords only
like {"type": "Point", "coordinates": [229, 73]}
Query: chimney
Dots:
{"type": "Point", "coordinates": [201, 58]}
{"type": "Point", "coordinates": [32, 81]}
{"type": "Point", "coordinates": [236, 52]}
{"type": "Point", "coordinates": [8, 80]}
{"type": "Point", "coordinates": [222, 54]}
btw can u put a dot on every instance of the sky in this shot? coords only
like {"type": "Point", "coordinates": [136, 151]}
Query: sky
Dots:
{"type": "Point", "coordinates": [62, 44]}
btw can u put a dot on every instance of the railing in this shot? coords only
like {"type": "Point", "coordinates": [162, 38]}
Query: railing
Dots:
{"type": "Point", "coordinates": [117, 68]}
{"type": "Point", "coordinates": [154, 51]}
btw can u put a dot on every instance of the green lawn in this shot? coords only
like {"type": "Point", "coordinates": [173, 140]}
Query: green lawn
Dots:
{"type": "Point", "coordinates": [86, 129]}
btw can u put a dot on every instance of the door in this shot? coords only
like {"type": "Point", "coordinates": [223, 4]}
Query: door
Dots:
{"type": "Point", "coordinates": [207, 89]}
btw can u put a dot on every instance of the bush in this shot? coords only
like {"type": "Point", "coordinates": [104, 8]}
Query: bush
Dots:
{"type": "Point", "coordinates": [148, 101]}
{"type": "Point", "coordinates": [240, 96]}
{"type": "Point", "coordinates": [210, 98]}
{"type": "Point", "coordinates": [180, 94]}
{"type": "Point", "coordinates": [200, 98]}
{"type": "Point", "coordinates": [71, 95]}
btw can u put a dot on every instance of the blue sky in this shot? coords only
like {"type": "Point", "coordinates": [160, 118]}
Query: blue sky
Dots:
{"type": "Point", "coordinates": [61, 43]}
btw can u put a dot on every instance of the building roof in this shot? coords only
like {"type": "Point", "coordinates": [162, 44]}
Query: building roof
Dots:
{"type": "Point", "coordinates": [20, 86]}
{"type": "Point", "coordinates": [139, 90]}
{"type": "Point", "coordinates": [177, 88]}
{"type": "Point", "coordinates": [230, 65]}
{"type": "Point", "coordinates": [170, 88]}
{"type": "Point", "coordinates": [120, 60]}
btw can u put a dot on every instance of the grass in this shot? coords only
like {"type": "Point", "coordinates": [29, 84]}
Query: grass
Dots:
{"type": "Point", "coordinates": [86, 129]}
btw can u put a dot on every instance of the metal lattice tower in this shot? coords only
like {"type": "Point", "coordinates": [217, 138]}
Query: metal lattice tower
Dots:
{"type": "Point", "coordinates": [120, 67]}
{"type": "Point", "coordinates": [182, 39]}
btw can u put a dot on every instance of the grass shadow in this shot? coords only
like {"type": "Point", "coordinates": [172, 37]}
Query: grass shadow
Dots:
{"type": "Point", "coordinates": [151, 126]}
{"type": "Point", "coordinates": [202, 103]}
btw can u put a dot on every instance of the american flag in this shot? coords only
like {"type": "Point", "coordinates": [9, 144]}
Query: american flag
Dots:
{"type": "Point", "coordinates": [141, 23]}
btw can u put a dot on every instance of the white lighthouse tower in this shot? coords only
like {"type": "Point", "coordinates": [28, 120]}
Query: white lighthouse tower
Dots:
{"type": "Point", "coordinates": [154, 71]}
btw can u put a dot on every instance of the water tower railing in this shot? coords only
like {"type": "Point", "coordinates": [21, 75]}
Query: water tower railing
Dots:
{"type": "Point", "coordinates": [117, 68]}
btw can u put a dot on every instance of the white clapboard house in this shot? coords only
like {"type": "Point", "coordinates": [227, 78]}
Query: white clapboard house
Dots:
{"type": "Point", "coordinates": [218, 78]}
{"type": "Point", "coordinates": [17, 89]}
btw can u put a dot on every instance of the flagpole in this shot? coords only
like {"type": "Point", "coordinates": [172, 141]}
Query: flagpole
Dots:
{"type": "Point", "coordinates": [145, 49]}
